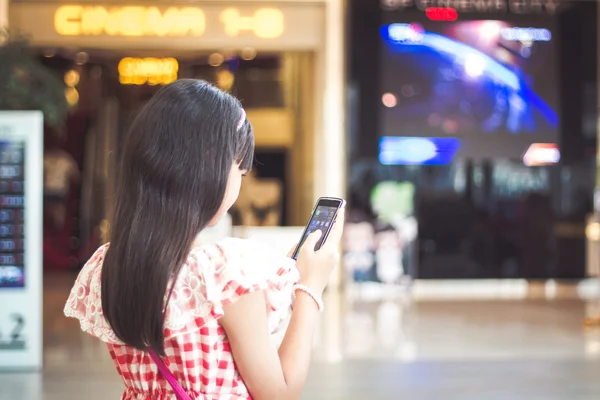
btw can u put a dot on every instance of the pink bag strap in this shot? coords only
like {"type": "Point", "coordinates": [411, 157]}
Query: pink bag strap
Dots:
{"type": "Point", "coordinates": [164, 371]}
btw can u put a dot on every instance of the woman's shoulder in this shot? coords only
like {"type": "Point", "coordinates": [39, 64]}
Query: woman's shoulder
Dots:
{"type": "Point", "coordinates": [234, 261]}
{"type": "Point", "coordinates": [218, 274]}
{"type": "Point", "coordinates": [85, 300]}
{"type": "Point", "coordinates": [236, 254]}
{"type": "Point", "coordinates": [231, 246]}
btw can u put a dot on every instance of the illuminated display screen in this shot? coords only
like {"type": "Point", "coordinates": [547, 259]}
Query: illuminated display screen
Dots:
{"type": "Point", "coordinates": [12, 212]}
{"type": "Point", "coordinates": [398, 150]}
{"type": "Point", "coordinates": [490, 83]}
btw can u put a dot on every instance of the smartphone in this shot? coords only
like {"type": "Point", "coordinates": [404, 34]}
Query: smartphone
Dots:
{"type": "Point", "coordinates": [322, 218]}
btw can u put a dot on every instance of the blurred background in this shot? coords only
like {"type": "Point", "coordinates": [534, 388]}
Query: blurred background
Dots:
{"type": "Point", "coordinates": [462, 133]}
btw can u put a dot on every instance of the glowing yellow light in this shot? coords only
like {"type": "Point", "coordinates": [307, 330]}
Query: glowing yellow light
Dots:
{"type": "Point", "coordinates": [71, 78]}
{"type": "Point", "coordinates": [225, 79]}
{"type": "Point", "coordinates": [265, 23]}
{"type": "Point", "coordinates": [268, 23]}
{"type": "Point", "coordinates": [72, 96]}
{"type": "Point", "coordinates": [592, 231]}
{"type": "Point", "coordinates": [216, 59]}
{"type": "Point", "coordinates": [129, 21]}
{"type": "Point", "coordinates": [249, 53]}
{"type": "Point", "coordinates": [151, 71]}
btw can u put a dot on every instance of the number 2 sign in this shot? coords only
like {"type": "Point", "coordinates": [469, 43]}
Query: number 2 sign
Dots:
{"type": "Point", "coordinates": [21, 193]}
{"type": "Point", "coordinates": [11, 333]}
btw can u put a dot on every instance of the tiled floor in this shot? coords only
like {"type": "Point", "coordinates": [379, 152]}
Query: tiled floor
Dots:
{"type": "Point", "coordinates": [398, 349]}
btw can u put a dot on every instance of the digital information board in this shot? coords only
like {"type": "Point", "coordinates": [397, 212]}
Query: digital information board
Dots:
{"type": "Point", "coordinates": [21, 207]}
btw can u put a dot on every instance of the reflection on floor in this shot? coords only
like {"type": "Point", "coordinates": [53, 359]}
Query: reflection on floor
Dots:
{"type": "Point", "coordinates": [395, 349]}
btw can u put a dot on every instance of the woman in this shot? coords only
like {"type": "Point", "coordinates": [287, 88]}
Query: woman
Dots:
{"type": "Point", "coordinates": [205, 313]}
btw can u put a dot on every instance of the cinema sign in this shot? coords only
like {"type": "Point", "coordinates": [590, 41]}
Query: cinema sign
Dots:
{"type": "Point", "coordinates": [132, 21]}
{"type": "Point", "coordinates": [210, 25]}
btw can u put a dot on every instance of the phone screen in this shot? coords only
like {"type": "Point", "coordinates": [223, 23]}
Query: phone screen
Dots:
{"type": "Point", "coordinates": [322, 219]}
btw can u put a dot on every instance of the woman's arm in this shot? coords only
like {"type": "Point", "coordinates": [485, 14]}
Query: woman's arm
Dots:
{"type": "Point", "coordinates": [270, 375]}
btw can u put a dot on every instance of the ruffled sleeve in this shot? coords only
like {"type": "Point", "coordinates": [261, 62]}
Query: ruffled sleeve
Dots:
{"type": "Point", "coordinates": [85, 300]}
{"type": "Point", "coordinates": [217, 275]}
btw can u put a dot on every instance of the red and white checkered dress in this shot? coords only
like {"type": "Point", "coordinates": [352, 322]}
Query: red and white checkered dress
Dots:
{"type": "Point", "coordinates": [198, 353]}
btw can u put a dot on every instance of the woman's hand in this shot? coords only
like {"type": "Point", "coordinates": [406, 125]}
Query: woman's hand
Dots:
{"type": "Point", "coordinates": [280, 374]}
{"type": "Point", "coordinates": [316, 266]}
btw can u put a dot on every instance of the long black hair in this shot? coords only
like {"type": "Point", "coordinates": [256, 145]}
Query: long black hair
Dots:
{"type": "Point", "coordinates": [171, 182]}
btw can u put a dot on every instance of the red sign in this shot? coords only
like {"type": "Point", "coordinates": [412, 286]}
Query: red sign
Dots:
{"type": "Point", "coordinates": [441, 14]}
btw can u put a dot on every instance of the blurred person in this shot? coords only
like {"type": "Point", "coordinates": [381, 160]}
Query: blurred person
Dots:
{"type": "Point", "coordinates": [183, 319]}
{"type": "Point", "coordinates": [388, 255]}
{"type": "Point", "coordinates": [359, 248]}
{"type": "Point", "coordinates": [60, 171]}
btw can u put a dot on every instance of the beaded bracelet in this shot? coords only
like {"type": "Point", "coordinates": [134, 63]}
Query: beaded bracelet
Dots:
{"type": "Point", "coordinates": [309, 292]}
